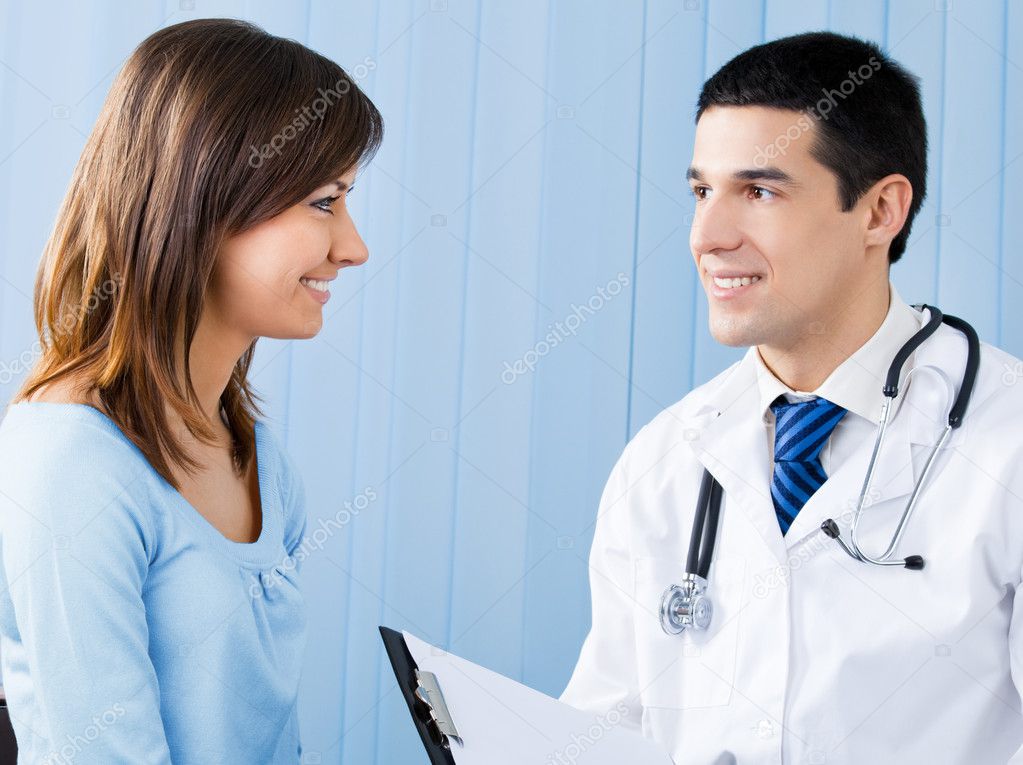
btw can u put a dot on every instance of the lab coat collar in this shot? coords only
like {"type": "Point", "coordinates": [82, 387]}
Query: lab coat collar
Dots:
{"type": "Point", "coordinates": [727, 436]}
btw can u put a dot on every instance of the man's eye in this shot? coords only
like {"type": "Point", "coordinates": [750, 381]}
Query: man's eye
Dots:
{"type": "Point", "coordinates": [328, 201]}
{"type": "Point", "coordinates": [761, 191]}
{"type": "Point", "coordinates": [700, 192]}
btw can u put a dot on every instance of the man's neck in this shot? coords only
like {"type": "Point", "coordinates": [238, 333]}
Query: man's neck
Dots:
{"type": "Point", "coordinates": [805, 364]}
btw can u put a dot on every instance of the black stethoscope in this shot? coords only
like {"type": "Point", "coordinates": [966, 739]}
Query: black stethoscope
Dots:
{"type": "Point", "coordinates": [686, 605]}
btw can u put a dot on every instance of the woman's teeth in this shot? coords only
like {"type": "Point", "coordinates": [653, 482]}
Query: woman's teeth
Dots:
{"type": "Point", "coordinates": [316, 285]}
{"type": "Point", "coordinates": [736, 281]}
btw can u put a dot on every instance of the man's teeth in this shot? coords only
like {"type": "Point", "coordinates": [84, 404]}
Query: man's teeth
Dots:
{"type": "Point", "coordinates": [316, 285]}
{"type": "Point", "coordinates": [736, 281]}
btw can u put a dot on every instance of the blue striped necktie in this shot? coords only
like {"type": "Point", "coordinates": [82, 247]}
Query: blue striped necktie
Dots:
{"type": "Point", "coordinates": [800, 431]}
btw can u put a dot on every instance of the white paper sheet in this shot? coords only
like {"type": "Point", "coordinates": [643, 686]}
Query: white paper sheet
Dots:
{"type": "Point", "coordinates": [502, 722]}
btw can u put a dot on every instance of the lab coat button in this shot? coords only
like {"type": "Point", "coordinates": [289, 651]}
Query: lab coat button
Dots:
{"type": "Point", "coordinates": [764, 729]}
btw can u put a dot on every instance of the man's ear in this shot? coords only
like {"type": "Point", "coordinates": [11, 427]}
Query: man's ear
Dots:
{"type": "Point", "coordinates": [888, 205]}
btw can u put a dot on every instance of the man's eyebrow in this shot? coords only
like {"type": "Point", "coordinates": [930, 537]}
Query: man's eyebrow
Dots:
{"type": "Point", "coordinates": [769, 173]}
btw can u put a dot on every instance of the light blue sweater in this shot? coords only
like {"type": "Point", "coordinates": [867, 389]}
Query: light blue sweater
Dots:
{"type": "Point", "coordinates": [131, 629]}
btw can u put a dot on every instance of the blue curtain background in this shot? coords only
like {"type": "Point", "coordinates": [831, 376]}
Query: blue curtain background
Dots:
{"type": "Point", "coordinates": [533, 162]}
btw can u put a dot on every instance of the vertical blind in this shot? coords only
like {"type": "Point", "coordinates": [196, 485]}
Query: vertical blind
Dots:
{"type": "Point", "coordinates": [530, 300]}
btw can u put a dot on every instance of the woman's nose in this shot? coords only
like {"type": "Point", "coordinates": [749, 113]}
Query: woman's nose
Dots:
{"type": "Point", "coordinates": [349, 249]}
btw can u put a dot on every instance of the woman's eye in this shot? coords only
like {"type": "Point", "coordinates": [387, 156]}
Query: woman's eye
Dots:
{"type": "Point", "coordinates": [328, 201]}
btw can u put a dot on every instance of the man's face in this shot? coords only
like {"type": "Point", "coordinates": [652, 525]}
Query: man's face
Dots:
{"type": "Point", "coordinates": [773, 214]}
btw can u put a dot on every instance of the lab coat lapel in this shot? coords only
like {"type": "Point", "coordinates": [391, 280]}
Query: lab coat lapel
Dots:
{"type": "Point", "coordinates": [919, 416]}
{"type": "Point", "coordinates": [729, 440]}
{"type": "Point", "coordinates": [837, 497]}
{"type": "Point", "coordinates": [728, 437]}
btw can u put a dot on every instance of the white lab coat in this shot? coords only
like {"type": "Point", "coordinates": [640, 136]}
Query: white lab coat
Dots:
{"type": "Point", "coordinates": [813, 657]}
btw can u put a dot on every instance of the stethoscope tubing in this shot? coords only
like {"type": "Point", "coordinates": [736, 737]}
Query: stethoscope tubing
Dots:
{"type": "Point", "coordinates": [955, 419]}
{"type": "Point", "coordinates": [708, 508]}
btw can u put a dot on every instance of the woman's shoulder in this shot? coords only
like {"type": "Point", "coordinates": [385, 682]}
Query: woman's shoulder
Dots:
{"type": "Point", "coordinates": [65, 467]}
{"type": "Point", "coordinates": [59, 432]}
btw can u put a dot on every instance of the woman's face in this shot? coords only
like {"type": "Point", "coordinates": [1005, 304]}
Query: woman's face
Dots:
{"type": "Point", "coordinates": [258, 288]}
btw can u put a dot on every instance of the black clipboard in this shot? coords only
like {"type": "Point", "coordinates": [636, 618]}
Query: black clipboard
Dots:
{"type": "Point", "coordinates": [8, 743]}
{"type": "Point", "coordinates": [423, 715]}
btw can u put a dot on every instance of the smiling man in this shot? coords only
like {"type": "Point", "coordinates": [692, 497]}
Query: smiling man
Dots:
{"type": "Point", "coordinates": [808, 168]}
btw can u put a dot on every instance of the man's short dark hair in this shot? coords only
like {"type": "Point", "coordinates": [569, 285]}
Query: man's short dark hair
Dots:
{"type": "Point", "coordinates": [866, 106]}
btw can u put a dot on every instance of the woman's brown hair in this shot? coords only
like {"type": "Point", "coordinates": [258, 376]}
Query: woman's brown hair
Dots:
{"type": "Point", "coordinates": [211, 126]}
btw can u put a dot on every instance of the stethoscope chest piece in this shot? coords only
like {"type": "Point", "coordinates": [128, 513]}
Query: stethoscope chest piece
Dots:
{"type": "Point", "coordinates": [685, 606]}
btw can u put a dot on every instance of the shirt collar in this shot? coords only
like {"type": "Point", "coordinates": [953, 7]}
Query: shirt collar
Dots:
{"type": "Point", "coordinates": [856, 383]}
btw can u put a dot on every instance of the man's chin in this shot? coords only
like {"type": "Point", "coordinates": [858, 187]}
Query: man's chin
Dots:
{"type": "Point", "coordinates": [734, 334]}
{"type": "Point", "coordinates": [734, 342]}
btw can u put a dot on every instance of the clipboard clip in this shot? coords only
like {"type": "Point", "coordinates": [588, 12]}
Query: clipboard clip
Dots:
{"type": "Point", "coordinates": [433, 710]}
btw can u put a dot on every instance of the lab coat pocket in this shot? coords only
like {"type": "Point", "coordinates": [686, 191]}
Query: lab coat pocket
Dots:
{"type": "Point", "coordinates": [696, 668]}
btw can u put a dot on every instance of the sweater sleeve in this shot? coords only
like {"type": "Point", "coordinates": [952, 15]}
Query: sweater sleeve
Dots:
{"type": "Point", "coordinates": [294, 536]}
{"type": "Point", "coordinates": [75, 550]}
{"type": "Point", "coordinates": [294, 504]}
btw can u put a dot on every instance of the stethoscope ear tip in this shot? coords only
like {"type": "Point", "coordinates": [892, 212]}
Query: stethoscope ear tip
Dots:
{"type": "Point", "coordinates": [830, 528]}
{"type": "Point", "coordinates": [914, 562]}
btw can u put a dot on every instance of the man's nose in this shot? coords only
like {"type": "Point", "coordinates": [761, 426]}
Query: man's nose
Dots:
{"type": "Point", "coordinates": [715, 227]}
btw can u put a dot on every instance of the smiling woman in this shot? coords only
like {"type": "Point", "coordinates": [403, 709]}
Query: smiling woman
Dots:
{"type": "Point", "coordinates": [207, 210]}
{"type": "Point", "coordinates": [167, 215]}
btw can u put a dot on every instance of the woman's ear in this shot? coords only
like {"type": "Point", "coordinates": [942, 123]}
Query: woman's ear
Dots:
{"type": "Point", "coordinates": [889, 200]}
